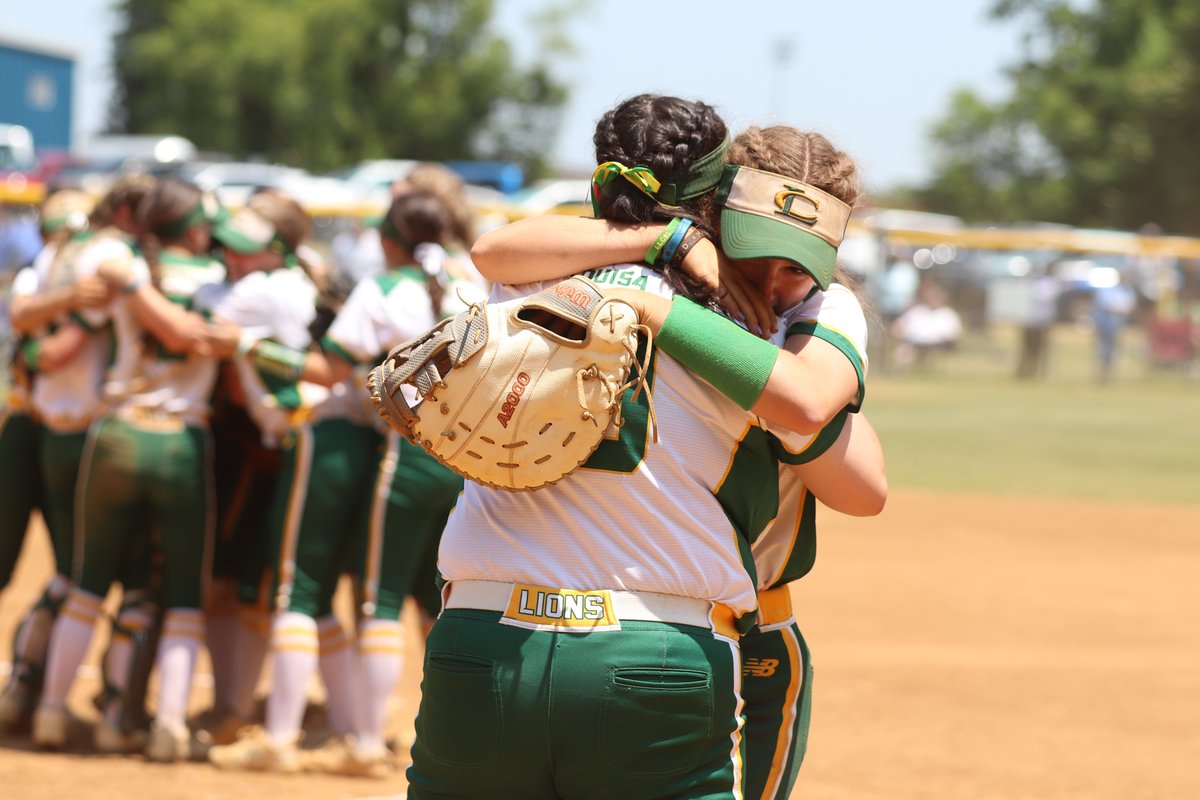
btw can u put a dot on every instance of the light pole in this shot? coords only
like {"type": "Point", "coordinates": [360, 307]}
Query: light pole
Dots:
{"type": "Point", "coordinates": [781, 54]}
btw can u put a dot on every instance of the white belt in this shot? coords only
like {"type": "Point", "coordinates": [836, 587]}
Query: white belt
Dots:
{"type": "Point", "coordinates": [154, 420]}
{"type": "Point", "coordinates": [583, 611]}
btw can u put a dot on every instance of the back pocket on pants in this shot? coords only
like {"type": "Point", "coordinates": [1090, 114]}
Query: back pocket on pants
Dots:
{"type": "Point", "coordinates": [657, 720]}
{"type": "Point", "coordinates": [459, 720]}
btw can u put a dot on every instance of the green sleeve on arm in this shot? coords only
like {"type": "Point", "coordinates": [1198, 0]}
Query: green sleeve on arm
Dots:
{"type": "Point", "coordinates": [31, 352]}
{"type": "Point", "coordinates": [736, 362]}
{"type": "Point", "coordinates": [278, 360]}
{"type": "Point", "coordinates": [334, 349]}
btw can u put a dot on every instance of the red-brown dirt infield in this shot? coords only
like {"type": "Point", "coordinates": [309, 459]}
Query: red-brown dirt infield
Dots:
{"type": "Point", "coordinates": [966, 648]}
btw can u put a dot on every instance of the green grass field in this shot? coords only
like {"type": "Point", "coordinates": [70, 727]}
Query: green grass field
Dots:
{"type": "Point", "coordinates": [967, 425]}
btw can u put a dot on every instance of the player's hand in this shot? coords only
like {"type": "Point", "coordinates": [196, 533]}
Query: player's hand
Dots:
{"type": "Point", "coordinates": [90, 292]}
{"type": "Point", "coordinates": [222, 339]}
{"type": "Point", "coordinates": [733, 291]}
{"type": "Point", "coordinates": [651, 309]}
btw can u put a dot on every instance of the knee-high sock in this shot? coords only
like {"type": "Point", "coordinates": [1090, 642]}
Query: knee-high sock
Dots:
{"type": "Point", "coordinates": [381, 660]}
{"type": "Point", "coordinates": [252, 639]}
{"type": "Point", "coordinates": [118, 659]}
{"type": "Point", "coordinates": [293, 662]}
{"type": "Point", "coordinates": [338, 675]}
{"type": "Point", "coordinates": [68, 644]}
{"type": "Point", "coordinates": [182, 637]}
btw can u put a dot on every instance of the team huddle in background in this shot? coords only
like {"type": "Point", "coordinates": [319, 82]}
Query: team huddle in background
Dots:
{"type": "Point", "coordinates": [197, 396]}
{"type": "Point", "coordinates": [184, 454]}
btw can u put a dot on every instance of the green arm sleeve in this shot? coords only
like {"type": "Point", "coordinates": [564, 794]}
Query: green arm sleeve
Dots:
{"type": "Point", "coordinates": [736, 362]}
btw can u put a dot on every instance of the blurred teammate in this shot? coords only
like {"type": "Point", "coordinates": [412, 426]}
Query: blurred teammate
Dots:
{"type": "Point", "coordinates": [45, 420]}
{"type": "Point", "coordinates": [145, 466]}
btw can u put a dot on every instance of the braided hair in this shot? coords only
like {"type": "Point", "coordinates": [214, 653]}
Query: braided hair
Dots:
{"type": "Point", "coordinates": [667, 135]}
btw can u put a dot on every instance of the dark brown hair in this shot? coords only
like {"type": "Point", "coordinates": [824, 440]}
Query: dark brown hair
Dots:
{"type": "Point", "coordinates": [667, 135]}
{"type": "Point", "coordinates": [421, 217]}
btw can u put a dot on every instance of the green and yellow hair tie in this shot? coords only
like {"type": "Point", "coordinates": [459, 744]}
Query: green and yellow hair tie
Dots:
{"type": "Point", "coordinates": [641, 177]}
{"type": "Point", "coordinates": [704, 175]}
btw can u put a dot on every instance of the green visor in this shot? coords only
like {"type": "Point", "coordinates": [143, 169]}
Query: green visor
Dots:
{"type": "Point", "coordinates": [247, 231]}
{"type": "Point", "coordinates": [765, 215]}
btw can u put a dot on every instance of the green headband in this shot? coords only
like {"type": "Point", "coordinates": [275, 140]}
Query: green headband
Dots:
{"type": "Point", "coordinates": [704, 175]}
{"type": "Point", "coordinates": [388, 230]}
{"type": "Point", "coordinates": [197, 216]}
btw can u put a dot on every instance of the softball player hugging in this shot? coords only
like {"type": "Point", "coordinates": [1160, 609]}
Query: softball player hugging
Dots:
{"type": "Point", "coordinates": [269, 295]}
{"type": "Point", "coordinates": [518, 702]}
{"type": "Point", "coordinates": [44, 416]}
{"type": "Point", "coordinates": [145, 466]}
{"type": "Point", "coordinates": [75, 357]}
{"type": "Point", "coordinates": [787, 262]}
{"type": "Point", "coordinates": [333, 508]}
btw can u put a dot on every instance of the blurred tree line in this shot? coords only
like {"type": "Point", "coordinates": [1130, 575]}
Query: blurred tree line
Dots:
{"type": "Point", "coordinates": [1101, 127]}
{"type": "Point", "coordinates": [325, 84]}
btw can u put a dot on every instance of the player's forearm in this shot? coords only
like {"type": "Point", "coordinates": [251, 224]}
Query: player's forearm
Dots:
{"type": "Point", "coordinates": [812, 380]}
{"type": "Point", "coordinates": [293, 365]}
{"type": "Point", "coordinates": [553, 246]}
{"type": "Point", "coordinates": [325, 370]}
{"type": "Point", "coordinates": [178, 330]}
{"type": "Point", "coordinates": [851, 476]}
{"type": "Point", "coordinates": [57, 349]}
{"type": "Point", "coordinates": [28, 313]}
{"type": "Point", "coordinates": [781, 387]}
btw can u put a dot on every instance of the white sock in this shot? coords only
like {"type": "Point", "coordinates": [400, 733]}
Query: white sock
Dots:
{"type": "Point", "coordinates": [381, 660]}
{"type": "Point", "coordinates": [68, 645]}
{"type": "Point", "coordinates": [182, 637]}
{"type": "Point", "coordinates": [338, 675]}
{"type": "Point", "coordinates": [293, 662]}
{"type": "Point", "coordinates": [119, 656]}
{"type": "Point", "coordinates": [220, 637]}
{"type": "Point", "coordinates": [252, 640]}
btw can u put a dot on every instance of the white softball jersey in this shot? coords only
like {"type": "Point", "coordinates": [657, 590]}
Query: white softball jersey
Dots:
{"type": "Point", "coordinates": [279, 305]}
{"type": "Point", "coordinates": [380, 313]}
{"type": "Point", "coordinates": [144, 375]}
{"type": "Point", "coordinates": [68, 398]}
{"type": "Point", "coordinates": [785, 550]}
{"type": "Point", "coordinates": [672, 516]}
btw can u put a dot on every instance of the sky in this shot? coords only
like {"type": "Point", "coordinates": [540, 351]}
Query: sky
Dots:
{"type": "Point", "coordinates": [871, 75]}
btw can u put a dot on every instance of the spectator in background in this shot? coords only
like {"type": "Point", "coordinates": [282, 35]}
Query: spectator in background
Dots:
{"type": "Point", "coordinates": [1112, 306]}
{"type": "Point", "coordinates": [930, 325]}
{"type": "Point", "coordinates": [1044, 289]}
{"type": "Point", "coordinates": [20, 240]}
{"type": "Point", "coordinates": [892, 290]}
{"type": "Point", "coordinates": [895, 288]}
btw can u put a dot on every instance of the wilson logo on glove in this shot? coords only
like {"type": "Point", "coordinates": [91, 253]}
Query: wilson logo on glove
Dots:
{"type": "Point", "coordinates": [562, 356]}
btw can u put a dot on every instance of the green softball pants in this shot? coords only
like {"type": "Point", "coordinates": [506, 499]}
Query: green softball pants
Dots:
{"type": "Point", "coordinates": [20, 485]}
{"type": "Point", "coordinates": [646, 712]}
{"type": "Point", "coordinates": [777, 689]}
{"type": "Point", "coordinates": [135, 482]}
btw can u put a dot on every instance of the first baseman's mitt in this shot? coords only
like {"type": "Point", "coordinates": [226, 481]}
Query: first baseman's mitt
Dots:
{"type": "Point", "coordinates": [514, 395]}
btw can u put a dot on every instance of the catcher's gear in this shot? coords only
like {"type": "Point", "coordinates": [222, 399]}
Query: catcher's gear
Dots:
{"type": "Point", "coordinates": [514, 395]}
